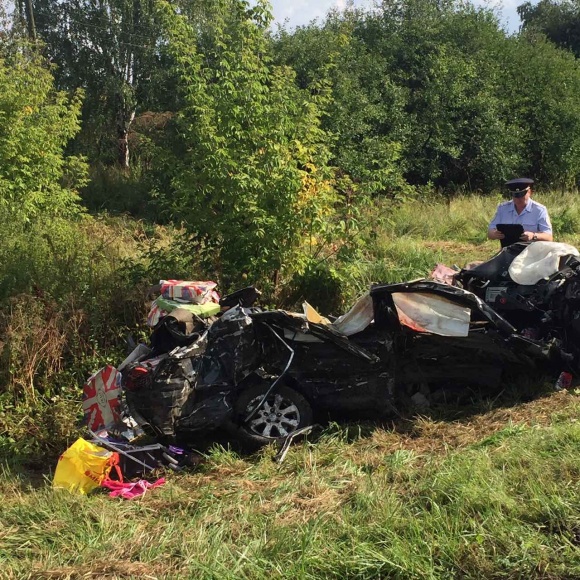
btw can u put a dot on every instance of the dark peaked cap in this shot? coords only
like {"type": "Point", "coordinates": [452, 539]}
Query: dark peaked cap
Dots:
{"type": "Point", "coordinates": [519, 185]}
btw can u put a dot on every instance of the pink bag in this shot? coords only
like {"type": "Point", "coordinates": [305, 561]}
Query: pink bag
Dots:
{"type": "Point", "coordinates": [130, 490]}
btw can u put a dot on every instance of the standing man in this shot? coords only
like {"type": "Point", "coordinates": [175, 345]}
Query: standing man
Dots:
{"type": "Point", "coordinates": [533, 216]}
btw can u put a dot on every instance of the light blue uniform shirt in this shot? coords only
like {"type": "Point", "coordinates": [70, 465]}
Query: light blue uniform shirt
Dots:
{"type": "Point", "coordinates": [534, 218]}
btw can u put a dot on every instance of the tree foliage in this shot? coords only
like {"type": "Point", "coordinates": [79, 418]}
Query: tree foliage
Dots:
{"type": "Point", "coordinates": [36, 123]}
{"type": "Point", "coordinates": [113, 50]}
{"type": "Point", "coordinates": [251, 182]}
{"type": "Point", "coordinates": [546, 106]}
{"type": "Point", "coordinates": [450, 98]}
{"type": "Point", "coordinates": [416, 92]}
{"type": "Point", "coordinates": [365, 112]}
{"type": "Point", "coordinates": [558, 20]}
{"type": "Point", "coordinates": [419, 93]}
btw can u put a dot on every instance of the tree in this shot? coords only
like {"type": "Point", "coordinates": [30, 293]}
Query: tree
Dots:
{"type": "Point", "coordinates": [112, 49]}
{"type": "Point", "coordinates": [36, 124]}
{"type": "Point", "coordinates": [365, 112]}
{"type": "Point", "coordinates": [419, 93]}
{"type": "Point", "coordinates": [545, 102]}
{"type": "Point", "coordinates": [448, 57]}
{"type": "Point", "coordinates": [558, 20]}
{"type": "Point", "coordinates": [250, 177]}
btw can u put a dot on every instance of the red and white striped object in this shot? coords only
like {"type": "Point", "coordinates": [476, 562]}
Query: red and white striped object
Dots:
{"type": "Point", "coordinates": [101, 403]}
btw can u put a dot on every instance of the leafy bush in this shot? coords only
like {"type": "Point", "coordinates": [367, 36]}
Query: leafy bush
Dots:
{"type": "Point", "coordinates": [65, 299]}
{"type": "Point", "coordinates": [320, 284]}
{"type": "Point", "coordinates": [119, 191]}
{"type": "Point", "coordinates": [251, 182]}
{"type": "Point", "coordinates": [36, 433]}
{"type": "Point", "coordinates": [36, 123]}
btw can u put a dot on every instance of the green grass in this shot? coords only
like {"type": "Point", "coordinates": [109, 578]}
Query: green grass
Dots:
{"type": "Point", "coordinates": [489, 496]}
{"type": "Point", "coordinates": [489, 491]}
{"type": "Point", "coordinates": [414, 236]}
{"type": "Point", "coordinates": [464, 219]}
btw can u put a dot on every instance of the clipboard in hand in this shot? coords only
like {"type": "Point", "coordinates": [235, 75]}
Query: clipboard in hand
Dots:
{"type": "Point", "coordinates": [512, 233]}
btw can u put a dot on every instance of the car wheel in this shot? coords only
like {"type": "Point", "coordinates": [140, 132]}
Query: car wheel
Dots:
{"type": "Point", "coordinates": [284, 411]}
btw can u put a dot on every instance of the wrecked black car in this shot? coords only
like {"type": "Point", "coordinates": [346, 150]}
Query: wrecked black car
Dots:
{"type": "Point", "coordinates": [263, 375]}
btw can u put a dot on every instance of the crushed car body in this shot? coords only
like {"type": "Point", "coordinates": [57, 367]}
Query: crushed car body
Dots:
{"type": "Point", "coordinates": [263, 375]}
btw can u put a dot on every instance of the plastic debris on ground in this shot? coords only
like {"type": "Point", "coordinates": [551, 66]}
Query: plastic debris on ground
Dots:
{"type": "Point", "coordinates": [130, 490]}
{"type": "Point", "coordinates": [83, 467]}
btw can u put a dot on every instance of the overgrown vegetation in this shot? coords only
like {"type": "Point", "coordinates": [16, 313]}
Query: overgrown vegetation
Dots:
{"type": "Point", "coordinates": [141, 141]}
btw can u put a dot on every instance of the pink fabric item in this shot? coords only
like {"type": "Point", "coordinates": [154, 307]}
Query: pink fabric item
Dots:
{"type": "Point", "coordinates": [128, 489]}
{"type": "Point", "coordinates": [443, 273]}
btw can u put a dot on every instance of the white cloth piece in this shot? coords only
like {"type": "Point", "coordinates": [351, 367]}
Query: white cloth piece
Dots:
{"type": "Point", "coordinates": [357, 318]}
{"type": "Point", "coordinates": [138, 353]}
{"type": "Point", "coordinates": [425, 312]}
{"type": "Point", "coordinates": [539, 260]}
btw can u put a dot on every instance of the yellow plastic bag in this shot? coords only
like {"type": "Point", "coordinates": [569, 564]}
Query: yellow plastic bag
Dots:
{"type": "Point", "coordinates": [82, 467]}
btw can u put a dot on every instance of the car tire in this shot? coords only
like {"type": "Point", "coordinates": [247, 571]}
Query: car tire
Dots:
{"type": "Point", "coordinates": [285, 411]}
